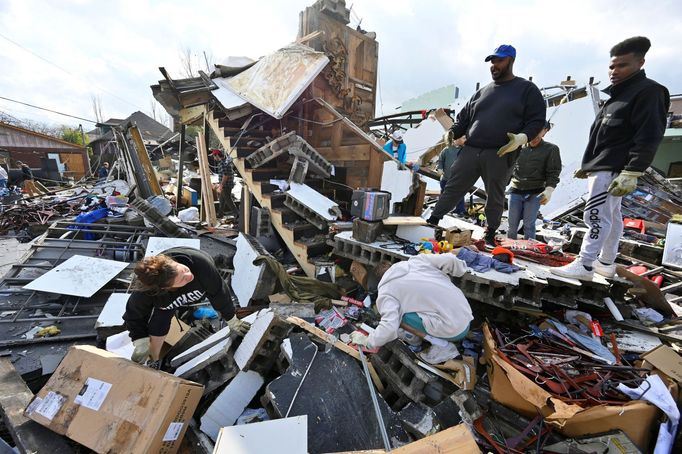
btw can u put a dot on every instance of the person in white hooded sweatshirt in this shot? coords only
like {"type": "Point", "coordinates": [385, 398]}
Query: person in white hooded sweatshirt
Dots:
{"type": "Point", "coordinates": [419, 294]}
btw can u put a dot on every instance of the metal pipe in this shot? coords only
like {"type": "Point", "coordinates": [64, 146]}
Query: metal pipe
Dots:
{"type": "Point", "coordinates": [375, 401]}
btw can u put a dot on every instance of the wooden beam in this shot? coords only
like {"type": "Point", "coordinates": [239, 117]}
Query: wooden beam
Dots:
{"type": "Point", "coordinates": [29, 436]}
{"type": "Point", "coordinates": [191, 115]}
{"type": "Point", "coordinates": [456, 439]}
{"type": "Point", "coordinates": [144, 160]}
{"type": "Point", "coordinates": [207, 200]}
{"type": "Point", "coordinates": [312, 329]}
{"type": "Point", "coordinates": [309, 37]}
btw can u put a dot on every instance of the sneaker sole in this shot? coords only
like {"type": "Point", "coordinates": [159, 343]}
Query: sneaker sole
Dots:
{"type": "Point", "coordinates": [586, 277]}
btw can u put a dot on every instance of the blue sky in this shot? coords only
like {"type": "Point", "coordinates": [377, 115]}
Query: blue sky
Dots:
{"type": "Point", "coordinates": [113, 49]}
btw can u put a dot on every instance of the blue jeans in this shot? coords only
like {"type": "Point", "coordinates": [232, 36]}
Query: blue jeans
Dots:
{"type": "Point", "coordinates": [413, 320]}
{"type": "Point", "coordinates": [3, 183]}
{"type": "Point", "coordinates": [460, 208]}
{"type": "Point", "coordinates": [526, 207]}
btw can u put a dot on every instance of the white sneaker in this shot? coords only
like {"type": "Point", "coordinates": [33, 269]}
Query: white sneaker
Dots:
{"type": "Point", "coordinates": [437, 354]}
{"type": "Point", "coordinates": [409, 338]}
{"type": "Point", "coordinates": [574, 270]}
{"type": "Point", "coordinates": [605, 270]}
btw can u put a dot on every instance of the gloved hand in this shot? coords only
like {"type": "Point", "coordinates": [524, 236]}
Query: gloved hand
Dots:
{"type": "Point", "coordinates": [238, 326]}
{"type": "Point", "coordinates": [546, 195]}
{"type": "Point", "coordinates": [156, 365]}
{"type": "Point", "coordinates": [141, 353]}
{"type": "Point", "coordinates": [580, 174]}
{"type": "Point", "coordinates": [357, 338]}
{"type": "Point", "coordinates": [515, 141]}
{"type": "Point", "coordinates": [624, 183]}
{"type": "Point", "coordinates": [449, 137]}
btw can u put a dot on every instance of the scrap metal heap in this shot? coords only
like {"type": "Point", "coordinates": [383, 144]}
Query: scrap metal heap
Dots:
{"type": "Point", "coordinates": [550, 364]}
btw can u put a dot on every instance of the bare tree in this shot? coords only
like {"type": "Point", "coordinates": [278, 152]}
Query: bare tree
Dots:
{"type": "Point", "coordinates": [152, 104]}
{"type": "Point", "coordinates": [187, 65]}
{"type": "Point", "coordinates": [97, 108]}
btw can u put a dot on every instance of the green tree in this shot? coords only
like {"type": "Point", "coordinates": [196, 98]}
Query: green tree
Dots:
{"type": "Point", "coordinates": [72, 135]}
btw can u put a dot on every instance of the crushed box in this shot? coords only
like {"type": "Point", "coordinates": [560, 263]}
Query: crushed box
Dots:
{"type": "Point", "coordinates": [111, 404]}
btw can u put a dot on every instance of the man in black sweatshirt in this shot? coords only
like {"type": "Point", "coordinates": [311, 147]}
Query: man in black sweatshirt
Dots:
{"type": "Point", "coordinates": [497, 120]}
{"type": "Point", "coordinates": [623, 141]}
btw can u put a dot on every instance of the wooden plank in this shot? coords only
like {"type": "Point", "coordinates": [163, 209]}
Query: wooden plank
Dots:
{"type": "Point", "coordinates": [345, 152]}
{"type": "Point", "coordinates": [404, 220]}
{"type": "Point", "coordinates": [312, 329]}
{"type": "Point", "coordinates": [144, 160]}
{"type": "Point", "coordinates": [456, 439]}
{"type": "Point", "coordinates": [206, 188]}
{"type": "Point", "coordinates": [29, 436]}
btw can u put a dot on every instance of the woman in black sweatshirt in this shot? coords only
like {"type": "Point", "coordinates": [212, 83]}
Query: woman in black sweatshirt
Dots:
{"type": "Point", "coordinates": [178, 277]}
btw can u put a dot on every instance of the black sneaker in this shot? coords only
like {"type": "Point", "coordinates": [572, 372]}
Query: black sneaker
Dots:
{"type": "Point", "coordinates": [433, 221]}
{"type": "Point", "coordinates": [490, 243]}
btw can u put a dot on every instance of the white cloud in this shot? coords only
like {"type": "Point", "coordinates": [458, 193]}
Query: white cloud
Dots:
{"type": "Point", "coordinates": [113, 49]}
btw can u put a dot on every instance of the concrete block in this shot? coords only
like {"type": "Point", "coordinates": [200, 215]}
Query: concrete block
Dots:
{"type": "Point", "coordinates": [203, 359]}
{"type": "Point", "coordinates": [201, 347]}
{"type": "Point", "coordinates": [260, 346]}
{"type": "Point", "coordinates": [419, 420]}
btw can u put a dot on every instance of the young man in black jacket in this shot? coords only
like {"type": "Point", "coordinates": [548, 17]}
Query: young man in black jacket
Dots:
{"type": "Point", "coordinates": [497, 120]}
{"type": "Point", "coordinates": [623, 142]}
{"type": "Point", "coordinates": [177, 278]}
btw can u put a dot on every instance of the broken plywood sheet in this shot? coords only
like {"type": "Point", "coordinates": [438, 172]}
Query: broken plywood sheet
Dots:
{"type": "Point", "coordinates": [112, 313]}
{"type": "Point", "coordinates": [157, 244]}
{"type": "Point", "coordinates": [423, 137]}
{"type": "Point", "coordinates": [201, 347]}
{"type": "Point", "coordinates": [277, 80]}
{"type": "Point", "coordinates": [78, 276]}
{"type": "Point", "coordinates": [397, 182]}
{"type": "Point", "coordinates": [201, 360]}
{"type": "Point", "coordinates": [288, 435]}
{"type": "Point", "coordinates": [249, 280]}
{"type": "Point", "coordinates": [324, 207]}
{"type": "Point", "coordinates": [230, 403]}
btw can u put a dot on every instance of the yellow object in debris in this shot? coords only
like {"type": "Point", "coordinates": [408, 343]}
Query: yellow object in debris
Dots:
{"type": "Point", "coordinates": [48, 331]}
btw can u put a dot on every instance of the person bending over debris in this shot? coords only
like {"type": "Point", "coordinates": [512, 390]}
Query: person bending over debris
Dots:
{"type": "Point", "coordinates": [623, 142]}
{"type": "Point", "coordinates": [28, 184]}
{"type": "Point", "coordinates": [497, 120]}
{"type": "Point", "coordinates": [396, 147]}
{"type": "Point", "coordinates": [535, 175]}
{"type": "Point", "coordinates": [177, 278]}
{"type": "Point", "coordinates": [418, 295]}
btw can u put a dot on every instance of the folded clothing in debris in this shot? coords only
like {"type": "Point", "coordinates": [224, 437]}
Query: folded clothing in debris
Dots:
{"type": "Point", "coordinates": [482, 263]}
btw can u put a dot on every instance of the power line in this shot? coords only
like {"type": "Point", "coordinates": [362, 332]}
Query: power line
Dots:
{"type": "Point", "coordinates": [48, 110]}
{"type": "Point", "coordinates": [68, 72]}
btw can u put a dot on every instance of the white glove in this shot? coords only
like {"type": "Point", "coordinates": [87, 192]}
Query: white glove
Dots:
{"type": "Point", "coordinates": [546, 195]}
{"type": "Point", "coordinates": [515, 141]}
{"type": "Point", "coordinates": [357, 338]}
{"type": "Point", "coordinates": [624, 183]}
{"type": "Point", "coordinates": [449, 137]}
{"type": "Point", "coordinates": [238, 326]}
{"type": "Point", "coordinates": [580, 174]}
{"type": "Point", "coordinates": [141, 353]}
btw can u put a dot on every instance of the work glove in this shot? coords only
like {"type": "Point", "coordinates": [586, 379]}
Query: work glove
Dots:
{"type": "Point", "coordinates": [449, 137]}
{"type": "Point", "coordinates": [580, 174]}
{"type": "Point", "coordinates": [624, 183]}
{"type": "Point", "coordinates": [156, 365]}
{"type": "Point", "coordinates": [546, 195]}
{"type": "Point", "coordinates": [357, 338]}
{"type": "Point", "coordinates": [238, 326]}
{"type": "Point", "coordinates": [141, 353]}
{"type": "Point", "coordinates": [515, 141]}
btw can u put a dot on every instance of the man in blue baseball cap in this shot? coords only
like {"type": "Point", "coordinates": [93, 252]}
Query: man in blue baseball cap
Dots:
{"type": "Point", "coordinates": [497, 121]}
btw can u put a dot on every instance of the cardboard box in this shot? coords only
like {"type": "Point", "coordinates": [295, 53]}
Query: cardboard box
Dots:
{"type": "Point", "coordinates": [111, 404]}
{"type": "Point", "coordinates": [511, 388]}
{"type": "Point", "coordinates": [457, 237]}
{"type": "Point", "coordinates": [666, 360]}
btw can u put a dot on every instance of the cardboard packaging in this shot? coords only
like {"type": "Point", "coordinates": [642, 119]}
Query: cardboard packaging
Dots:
{"type": "Point", "coordinates": [511, 388]}
{"type": "Point", "coordinates": [110, 404]}
{"type": "Point", "coordinates": [457, 237]}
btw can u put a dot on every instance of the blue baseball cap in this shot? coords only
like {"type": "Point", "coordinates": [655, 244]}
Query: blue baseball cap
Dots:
{"type": "Point", "coordinates": [505, 50]}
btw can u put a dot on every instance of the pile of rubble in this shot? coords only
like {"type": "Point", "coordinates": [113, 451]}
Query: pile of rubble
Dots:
{"type": "Point", "coordinates": [550, 364]}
